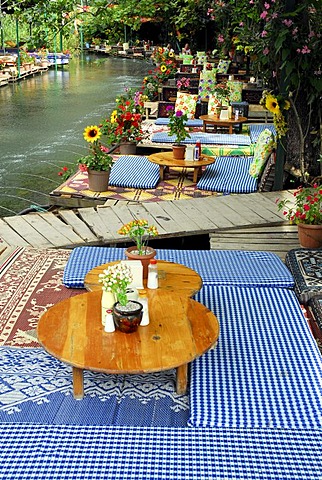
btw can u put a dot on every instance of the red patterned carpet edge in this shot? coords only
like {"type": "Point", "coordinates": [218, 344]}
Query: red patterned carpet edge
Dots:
{"type": "Point", "coordinates": [30, 283]}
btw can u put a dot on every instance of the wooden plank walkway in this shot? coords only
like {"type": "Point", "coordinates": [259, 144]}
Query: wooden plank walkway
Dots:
{"type": "Point", "coordinates": [232, 222]}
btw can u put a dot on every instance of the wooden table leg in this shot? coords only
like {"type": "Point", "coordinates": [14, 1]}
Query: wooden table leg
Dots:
{"type": "Point", "coordinates": [78, 383]}
{"type": "Point", "coordinates": [195, 174]}
{"type": "Point", "coordinates": [230, 129]}
{"type": "Point", "coordinates": [182, 379]}
{"type": "Point", "coordinates": [204, 126]}
{"type": "Point", "coordinates": [161, 172]}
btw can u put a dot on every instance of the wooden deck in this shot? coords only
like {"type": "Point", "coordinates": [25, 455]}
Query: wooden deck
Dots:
{"type": "Point", "coordinates": [249, 222]}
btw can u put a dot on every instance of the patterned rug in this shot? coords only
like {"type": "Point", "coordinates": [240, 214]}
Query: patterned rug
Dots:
{"type": "Point", "coordinates": [36, 388]}
{"type": "Point", "coordinates": [30, 283]}
{"type": "Point", "coordinates": [177, 185]}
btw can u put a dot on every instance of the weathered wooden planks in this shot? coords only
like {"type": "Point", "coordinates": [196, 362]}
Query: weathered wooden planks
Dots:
{"type": "Point", "coordinates": [99, 225]}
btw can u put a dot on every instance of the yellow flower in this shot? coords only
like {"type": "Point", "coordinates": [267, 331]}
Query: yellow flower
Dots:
{"type": "Point", "coordinates": [171, 54]}
{"type": "Point", "coordinates": [271, 104]}
{"type": "Point", "coordinates": [287, 105]}
{"type": "Point", "coordinates": [163, 68]}
{"type": "Point", "coordinates": [92, 133]}
{"type": "Point", "coordinates": [113, 116]}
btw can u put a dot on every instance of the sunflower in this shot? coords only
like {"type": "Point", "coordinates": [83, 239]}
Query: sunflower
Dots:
{"type": "Point", "coordinates": [271, 104]}
{"type": "Point", "coordinates": [171, 54]}
{"type": "Point", "coordinates": [92, 133]}
{"type": "Point", "coordinates": [163, 68]}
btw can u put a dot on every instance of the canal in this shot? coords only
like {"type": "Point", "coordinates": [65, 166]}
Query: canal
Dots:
{"type": "Point", "coordinates": [42, 120]}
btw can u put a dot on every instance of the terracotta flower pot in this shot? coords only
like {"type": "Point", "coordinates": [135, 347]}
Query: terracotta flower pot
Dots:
{"type": "Point", "coordinates": [310, 236]}
{"type": "Point", "coordinates": [98, 181]}
{"type": "Point", "coordinates": [145, 259]}
{"type": "Point", "coordinates": [128, 148]}
{"type": "Point", "coordinates": [179, 151]}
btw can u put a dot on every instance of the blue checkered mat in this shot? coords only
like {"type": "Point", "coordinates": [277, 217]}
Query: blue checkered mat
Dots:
{"type": "Point", "coordinates": [132, 171]}
{"type": "Point", "coordinates": [229, 175]}
{"type": "Point", "coordinates": [37, 388]}
{"type": "Point", "coordinates": [204, 138]}
{"type": "Point", "coordinates": [128, 453]}
{"type": "Point", "coordinates": [266, 370]}
{"type": "Point", "coordinates": [191, 122]}
{"type": "Point", "coordinates": [220, 267]}
{"type": "Point", "coordinates": [256, 129]}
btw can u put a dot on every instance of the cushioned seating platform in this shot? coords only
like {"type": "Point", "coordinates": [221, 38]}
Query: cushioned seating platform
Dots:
{"type": "Point", "coordinates": [315, 303]}
{"type": "Point", "coordinates": [305, 264]}
{"type": "Point", "coordinates": [132, 171]}
{"type": "Point", "coordinates": [191, 122]}
{"type": "Point", "coordinates": [124, 453]}
{"type": "Point", "coordinates": [256, 129]}
{"type": "Point", "coordinates": [266, 369]}
{"type": "Point", "coordinates": [220, 267]}
{"type": "Point", "coordinates": [229, 175]}
{"type": "Point", "coordinates": [204, 138]}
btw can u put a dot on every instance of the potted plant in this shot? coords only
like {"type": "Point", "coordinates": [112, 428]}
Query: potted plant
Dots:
{"type": "Point", "coordinates": [98, 162]}
{"type": "Point", "coordinates": [140, 232]}
{"type": "Point", "coordinates": [177, 127]}
{"type": "Point", "coordinates": [306, 213]}
{"type": "Point", "coordinates": [125, 124]}
{"type": "Point", "coordinates": [127, 314]}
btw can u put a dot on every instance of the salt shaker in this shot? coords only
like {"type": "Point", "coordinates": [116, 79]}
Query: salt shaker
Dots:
{"type": "Point", "coordinates": [109, 322]}
{"type": "Point", "coordinates": [153, 274]}
{"type": "Point", "coordinates": [144, 301]}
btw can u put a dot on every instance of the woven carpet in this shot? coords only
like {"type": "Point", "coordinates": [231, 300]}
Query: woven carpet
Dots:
{"type": "Point", "coordinates": [177, 185]}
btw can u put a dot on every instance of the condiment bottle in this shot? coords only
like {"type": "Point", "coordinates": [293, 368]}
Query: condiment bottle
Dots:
{"type": "Point", "coordinates": [153, 274]}
{"type": "Point", "coordinates": [143, 299]}
{"type": "Point", "coordinates": [109, 322]}
{"type": "Point", "coordinates": [197, 151]}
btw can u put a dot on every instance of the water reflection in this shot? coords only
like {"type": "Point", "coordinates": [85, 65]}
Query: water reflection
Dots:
{"type": "Point", "coordinates": [42, 119]}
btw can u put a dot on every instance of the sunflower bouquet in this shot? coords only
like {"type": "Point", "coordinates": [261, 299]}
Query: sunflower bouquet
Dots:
{"type": "Point", "coordinates": [277, 105]}
{"type": "Point", "coordinates": [98, 158]}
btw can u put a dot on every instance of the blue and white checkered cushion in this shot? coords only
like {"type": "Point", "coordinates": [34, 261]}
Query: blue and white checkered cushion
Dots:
{"type": "Point", "coordinates": [220, 267]}
{"type": "Point", "coordinates": [204, 138]}
{"type": "Point", "coordinates": [70, 452]}
{"type": "Point", "coordinates": [256, 129]}
{"type": "Point", "coordinates": [266, 369]}
{"type": "Point", "coordinates": [191, 122]}
{"type": "Point", "coordinates": [228, 175]}
{"type": "Point", "coordinates": [132, 171]}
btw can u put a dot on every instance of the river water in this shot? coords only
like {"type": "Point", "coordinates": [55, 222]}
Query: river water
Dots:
{"type": "Point", "coordinates": [42, 120]}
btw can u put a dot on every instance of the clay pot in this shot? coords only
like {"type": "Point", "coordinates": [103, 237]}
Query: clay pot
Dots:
{"type": "Point", "coordinates": [145, 259]}
{"type": "Point", "coordinates": [179, 151]}
{"type": "Point", "coordinates": [98, 180]}
{"type": "Point", "coordinates": [128, 148]}
{"type": "Point", "coordinates": [310, 236]}
{"type": "Point", "coordinates": [127, 318]}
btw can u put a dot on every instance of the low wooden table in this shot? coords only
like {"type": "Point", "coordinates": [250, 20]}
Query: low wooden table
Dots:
{"type": "Point", "coordinates": [179, 331]}
{"type": "Point", "coordinates": [216, 122]}
{"type": "Point", "coordinates": [165, 159]}
{"type": "Point", "coordinates": [173, 277]}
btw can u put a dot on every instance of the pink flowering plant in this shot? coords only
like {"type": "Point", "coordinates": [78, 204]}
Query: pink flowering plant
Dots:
{"type": "Point", "coordinates": [307, 207]}
{"type": "Point", "coordinates": [183, 83]}
{"type": "Point", "coordinates": [177, 124]}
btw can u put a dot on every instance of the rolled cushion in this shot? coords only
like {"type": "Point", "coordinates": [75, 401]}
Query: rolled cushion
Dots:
{"type": "Point", "coordinates": [263, 149]}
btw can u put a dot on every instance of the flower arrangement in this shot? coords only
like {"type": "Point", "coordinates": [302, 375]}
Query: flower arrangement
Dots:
{"type": "Point", "coordinates": [116, 279]}
{"type": "Point", "coordinates": [183, 83]}
{"type": "Point", "coordinates": [161, 55]}
{"type": "Point", "coordinates": [307, 208]}
{"type": "Point", "coordinates": [177, 124]}
{"type": "Point", "coordinates": [139, 231]}
{"type": "Point", "coordinates": [277, 105]}
{"type": "Point", "coordinates": [98, 158]}
{"type": "Point", "coordinates": [125, 122]}
{"type": "Point", "coordinates": [222, 93]}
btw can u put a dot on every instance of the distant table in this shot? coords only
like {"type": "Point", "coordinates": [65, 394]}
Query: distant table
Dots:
{"type": "Point", "coordinates": [179, 331]}
{"type": "Point", "coordinates": [216, 122]}
{"type": "Point", "coordinates": [165, 160]}
{"type": "Point", "coordinates": [173, 277]}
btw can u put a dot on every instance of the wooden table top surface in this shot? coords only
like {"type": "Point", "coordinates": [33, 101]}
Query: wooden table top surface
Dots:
{"type": "Point", "coordinates": [166, 159]}
{"type": "Point", "coordinates": [180, 330]}
{"type": "Point", "coordinates": [173, 277]}
{"type": "Point", "coordinates": [218, 121]}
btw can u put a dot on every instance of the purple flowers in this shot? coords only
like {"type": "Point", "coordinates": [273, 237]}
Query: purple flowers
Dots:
{"type": "Point", "coordinates": [179, 113]}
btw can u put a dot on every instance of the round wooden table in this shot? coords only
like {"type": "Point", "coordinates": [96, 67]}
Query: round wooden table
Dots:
{"type": "Point", "coordinates": [173, 277]}
{"type": "Point", "coordinates": [179, 331]}
{"type": "Point", "coordinates": [216, 122]}
{"type": "Point", "coordinates": [165, 160]}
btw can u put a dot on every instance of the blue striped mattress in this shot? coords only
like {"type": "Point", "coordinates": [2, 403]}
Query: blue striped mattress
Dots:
{"type": "Point", "coordinates": [266, 371]}
{"type": "Point", "coordinates": [204, 138]}
{"type": "Point", "coordinates": [256, 129]}
{"type": "Point", "coordinates": [133, 171]}
{"type": "Point", "coordinates": [228, 175]}
{"type": "Point", "coordinates": [126, 453]}
{"type": "Point", "coordinates": [191, 122]}
{"type": "Point", "coordinates": [220, 267]}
